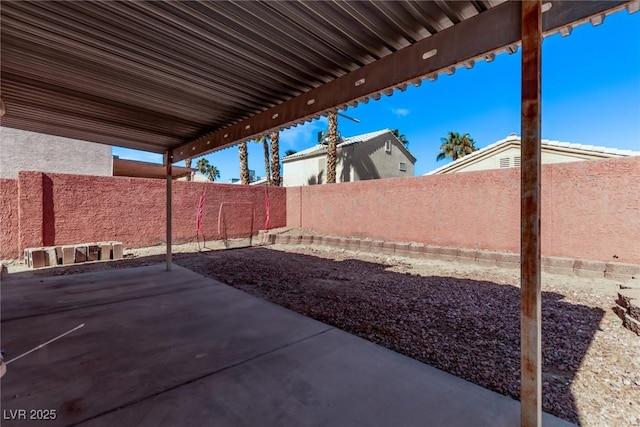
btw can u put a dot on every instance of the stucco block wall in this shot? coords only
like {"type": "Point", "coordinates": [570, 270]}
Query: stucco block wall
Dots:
{"type": "Point", "coordinates": [8, 218]}
{"type": "Point", "coordinates": [590, 210]}
{"type": "Point", "coordinates": [58, 209]}
{"type": "Point", "coordinates": [30, 151]}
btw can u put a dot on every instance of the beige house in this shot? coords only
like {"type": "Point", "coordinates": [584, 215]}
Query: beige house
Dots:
{"type": "Point", "coordinates": [372, 155]}
{"type": "Point", "coordinates": [506, 154]}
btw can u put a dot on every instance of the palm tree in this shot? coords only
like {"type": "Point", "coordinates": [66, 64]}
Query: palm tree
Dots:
{"type": "Point", "coordinates": [187, 164]}
{"type": "Point", "coordinates": [275, 159]}
{"type": "Point", "coordinates": [456, 146]}
{"type": "Point", "coordinates": [267, 168]}
{"type": "Point", "coordinates": [244, 163]}
{"type": "Point", "coordinates": [332, 147]}
{"type": "Point", "coordinates": [401, 137]}
{"type": "Point", "coordinates": [207, 169]}
{"type": "Point", "coordinates": [290, 153]}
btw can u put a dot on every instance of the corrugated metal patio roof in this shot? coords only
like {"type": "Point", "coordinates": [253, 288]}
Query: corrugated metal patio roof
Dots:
{"type": "Point", "coordinates": [190, 77]}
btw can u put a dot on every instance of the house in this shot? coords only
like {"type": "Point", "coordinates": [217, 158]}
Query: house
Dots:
{"type": "Point", "coordinates": [31, 151]}
{"type": "Point", "coordinates": [22, 150]}
{"type": "Point", "coordinates": [372, 155]}
{"type": "Point", "coordinates": [506, 154]}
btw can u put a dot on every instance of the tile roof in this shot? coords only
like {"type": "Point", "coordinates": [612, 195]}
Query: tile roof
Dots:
{"type": "Point", "coordinates": [513, 138]}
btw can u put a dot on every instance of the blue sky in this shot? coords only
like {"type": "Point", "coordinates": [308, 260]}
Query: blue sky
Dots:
{"type": "Point", "coordinates": [591, 95]}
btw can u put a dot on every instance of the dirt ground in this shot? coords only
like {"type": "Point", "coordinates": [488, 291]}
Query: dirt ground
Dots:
{"type": "Point", "coordinates": [463, 319]}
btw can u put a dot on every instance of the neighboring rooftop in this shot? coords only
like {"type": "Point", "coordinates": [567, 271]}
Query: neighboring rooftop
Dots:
{"type": "Point", "coordinates": [322, 148]}
{"type": "Point", "coordinates": [513, 140]}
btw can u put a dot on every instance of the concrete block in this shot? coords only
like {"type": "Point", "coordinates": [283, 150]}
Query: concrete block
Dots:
{"type": "Point", "coordinates": [445, 254]}
{"type": "Point", "coordinates": [487, 258]}
{"type": "Point", "coordinates": [342, 242]}
{"type": "Point", "coordinates": [585, 268]}
{"type": "Point", "coordinates": [508, 260]}
{"type": "Point", "coordinates": [353, 244]}
{"type": "Point", "coordinates": [37, 258]}
{"type": "Point", "coordinates": [306, 240]}
{"type": "Point", "coordinates": [402, 249]}
{"type": "Point", "coordinates": [318, 240]}
{"type": "Point", "coordinates": [282, 239]}
{"type": "Point", "coordinates": [80, 253]}
{"type": "Point", "coordinates": [364, 245]}
{"type": "Point", "coordinates": [376, 246]}
{"type": "Point", "coordinates": [104, 251]}
{"type": "Point", "coordinates": [117, 250]}
{"type": "Point", "coordinates": [621, 271]}
{"type": "Point", "coordinates": [295, 240]}
{"type": "Point", "coordinates": [431, 252]}
{"type": "Point", "coordinates": [93, 252]}
{"type": "Point", "coordinates": [467, 256]}
{"type": "Point", "coordinates": [68, 255]}
{"type": "Point", "coordinates": [557, 265]}
{"type": "Point", "coordinates": [50, 256]}
{"type": "Point", "coordinates": [332, 241]}
{"type": "Point", "coordinates": [59, 255]}
{"type": "Point", "coordinates": [416, 250]}
{"type": "Point", "coordinates": [388, 248]}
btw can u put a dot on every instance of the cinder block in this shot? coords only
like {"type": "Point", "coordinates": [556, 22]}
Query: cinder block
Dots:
{"type": "Point", "coordinates": [416, 250]}
{"type": "Point", "coordinates": [402, 249]}
{"type": "Point", "coordinates": [318, 240]}
{"type": "Point", "coordinates": [621, 271]}
{"type": "Point", "coordinates": [331, 241]}
{"type": "Point", "coordinates": [446, 254]}
{"type": "Point", "coordinates": [467, 256]}
{"type": "Point", "coordinates": [104, 251]}
{"type": "Point", "coordinates": [93, 252]}
{"type": "Point", "coordinates": [37, 258]}
{"type": "Point", "coordinates": [556, 265]}
{"type": "Point", "coordinates": [68, 255]}
{"type": "Point", "coordinates": [353, 244]}
{"type": "Point", "coordinates": [431, 252]}
{"type": "Point", "coordinates": [59, 256]}
{"type": "Point", "coordinates": [306, 240]}
{"type": "Point", "coordinates": [376, 246]}
{"type": "Point", "coordinates": [50, 257]}
{"type": "Point", "coordinates": [487, 258]}
{"type": "Point", "coordinates": [389, 248]}
{"type": "Point", "coordinates": [282, 239]}
{"type": "Point", "coordinates": [364, 245]}
{"type": "Point", "coordinates": [81, 253]}
{"type": "Point", "coordinates": [295, 240]}
{"type": "Point", "coordinates": [116, 250]}
{"type": "Point", "coordinates": [585, 268]}
{"type": "Point", "coordinates": [508, 260]}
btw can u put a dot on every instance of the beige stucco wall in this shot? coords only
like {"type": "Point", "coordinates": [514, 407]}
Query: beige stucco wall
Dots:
{"type": "Point", "coordinates": [357, 162]}
{"type": "Point", "coordinates": [549, 156]}
{"type": "Point", "coordinates": [29, 151]}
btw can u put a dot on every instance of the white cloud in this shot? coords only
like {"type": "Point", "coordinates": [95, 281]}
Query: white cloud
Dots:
{"type": "Point", "coordinates": [302, 136]}
{"type": "Point", "coordinates": [400, 112]}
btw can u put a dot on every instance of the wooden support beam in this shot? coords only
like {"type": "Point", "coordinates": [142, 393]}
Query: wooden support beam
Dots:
{"type": "Point", "coordinates": [167, 163]}
{"type": "Point", "coordinates": [530, 323]}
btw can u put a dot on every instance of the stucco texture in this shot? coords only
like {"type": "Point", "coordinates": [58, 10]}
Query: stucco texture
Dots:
{"type": "Point", "coordinates": [58, 209]}
{"type": "Point", "coordinates": [590, 209]}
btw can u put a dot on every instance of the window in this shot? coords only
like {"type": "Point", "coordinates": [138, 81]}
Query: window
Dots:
{"type": "Point", "coordinates": [516, 161]}
{"type": "Point", "coordinates": [403, 166]}
{"type": "Point", "coordinates": [504, 162]}
{"type": "Point", "coordinates": [387, 146]}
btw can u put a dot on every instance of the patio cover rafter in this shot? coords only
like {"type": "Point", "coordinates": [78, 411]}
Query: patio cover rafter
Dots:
{"type": "Point", "coordinates": [492, 31]}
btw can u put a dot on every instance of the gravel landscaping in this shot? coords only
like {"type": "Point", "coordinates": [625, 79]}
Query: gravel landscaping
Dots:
{"type": "Point", "coordinates": [463, 319]}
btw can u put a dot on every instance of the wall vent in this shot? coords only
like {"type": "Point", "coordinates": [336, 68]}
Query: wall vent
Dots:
{"type": "Point", "coordinates": [516, 161]}
{"type": "Point", "coordinates": [504, 162]}
{"type": "Point", "coordinates": [403, 167]}
{"type": "Point", "coordinates": [387, 146]}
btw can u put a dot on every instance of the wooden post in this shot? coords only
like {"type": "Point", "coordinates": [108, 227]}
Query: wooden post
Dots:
{"type": "Point", "coordinates": [167, 163]}
{"type": "Point", "coordinates": [530, 320]}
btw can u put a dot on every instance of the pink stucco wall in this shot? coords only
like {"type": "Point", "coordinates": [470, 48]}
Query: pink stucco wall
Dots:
{"type": "Point", "coordinates": [8, 218]}
{"type": "Point", "coordinates": [590, 210]}
{"type": "Point", "coordinates": [56, 209]}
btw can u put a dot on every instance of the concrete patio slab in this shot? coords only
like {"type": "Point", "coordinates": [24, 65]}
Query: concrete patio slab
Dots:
{"type": "Point", "coordinates": [178, 349]}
